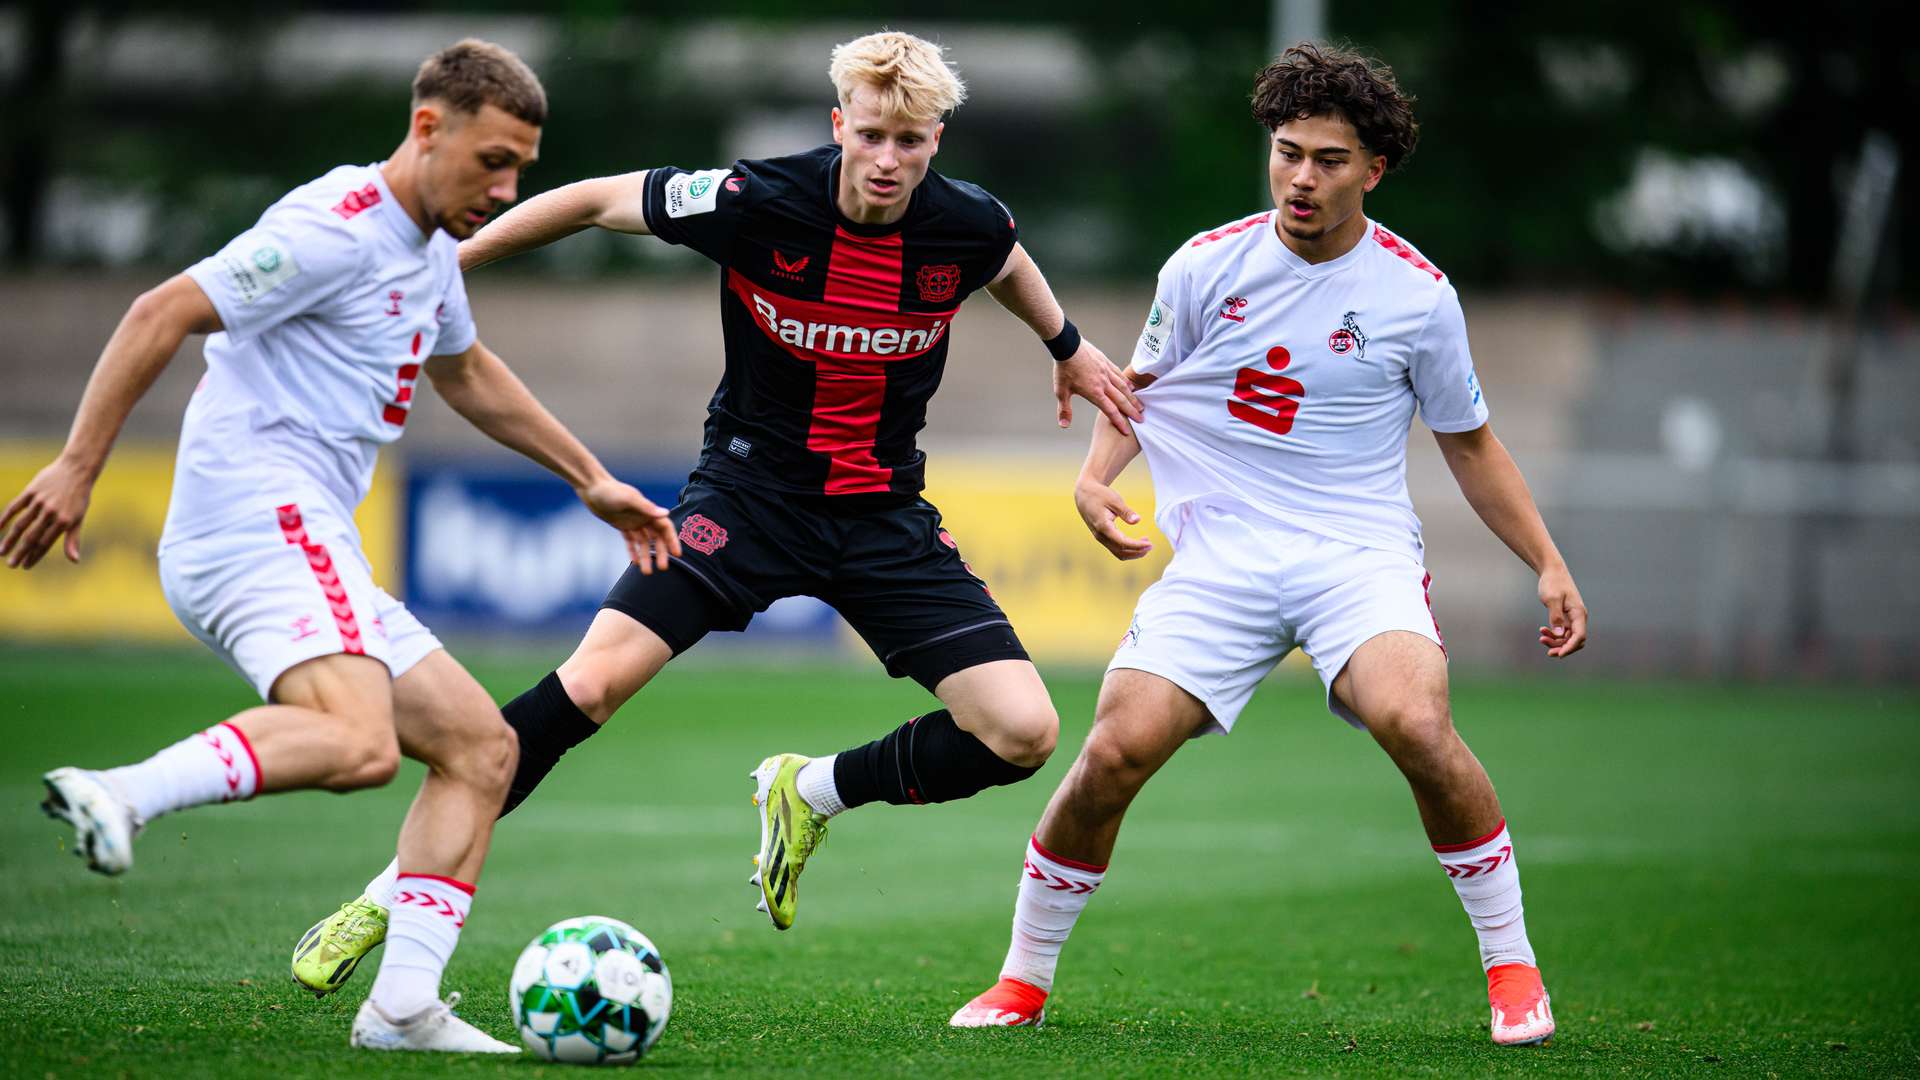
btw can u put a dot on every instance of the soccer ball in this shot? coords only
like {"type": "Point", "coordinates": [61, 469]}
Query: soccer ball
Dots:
{"type": "Point", "coordinates": [592, 991]}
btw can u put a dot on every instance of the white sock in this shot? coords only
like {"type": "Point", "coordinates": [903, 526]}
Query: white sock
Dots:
{"type": "Point", "coordinates": [1053, 891]}
{"type": "Point", "coordinates": [422, 928]}
{"type": "Point", "coordinates": [815, 781]}
{"type": "Point", "coordinates": [216, 765]}
{"type": "Point", "coordinates": [1488, 882]}
{"type": "Point", "coordinates": [380, 889]}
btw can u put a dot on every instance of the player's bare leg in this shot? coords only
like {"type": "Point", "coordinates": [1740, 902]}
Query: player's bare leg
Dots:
{"type": "Point", "coordinates": [1396, 683]}
{"type": "Point", "coordinates": [446, 720]}
{"type": "Point", "coordinates": [1141, 721]}
{"type": "Point", "coordinates": [1006, 706]}
{"type": "Point", "coordinates": [442, 717]}
{"type": "Point", "coordinates": [330, 726]}
{"type": "Point", "coordinates": [617, 657]}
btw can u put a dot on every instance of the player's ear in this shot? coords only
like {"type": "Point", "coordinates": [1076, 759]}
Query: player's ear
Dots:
{"type": "Point", "coordinates": [428, 121]}
{"type": "Point", "coordinates": [933, 145]}
{"type": "Point", "coordinates": [1376, 168]}
{"type": "Point", "coordinates": [839, 126]}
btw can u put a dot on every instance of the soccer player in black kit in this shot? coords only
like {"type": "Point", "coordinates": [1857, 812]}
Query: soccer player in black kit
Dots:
{"type": "Point", "coordinates": [842, 269]}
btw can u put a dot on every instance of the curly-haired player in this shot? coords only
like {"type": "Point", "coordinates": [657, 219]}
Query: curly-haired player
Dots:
{"type": "Point", "coordinates": [1282, 361]}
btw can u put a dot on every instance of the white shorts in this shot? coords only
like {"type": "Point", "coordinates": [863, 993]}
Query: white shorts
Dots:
{"type": "Point", "coordinates": [1242, 592]}
{"type": "Point", "coordinates": [270, 594]}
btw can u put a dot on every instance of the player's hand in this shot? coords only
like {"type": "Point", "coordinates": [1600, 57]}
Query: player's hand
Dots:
{"type": "Point", "coordinates": [1102, 508]}
{"type": "Point", "coordinates": [1091, 375]}
{"type": "Point", "coordinates": [1566, 629]}
{"type": "Point", "coordinates": [647, 529]}
{"type": "Point", "coordinates": [53, 503]}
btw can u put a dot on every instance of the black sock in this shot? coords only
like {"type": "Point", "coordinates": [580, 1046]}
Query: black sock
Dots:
{"type": "Point", "coordinates": [929, 759]}
{"type": "Point", "coordinates": [549, 724]}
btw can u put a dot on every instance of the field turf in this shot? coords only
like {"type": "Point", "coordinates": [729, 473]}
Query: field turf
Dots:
{"type": "Point", "coordinates": [1721, 881]}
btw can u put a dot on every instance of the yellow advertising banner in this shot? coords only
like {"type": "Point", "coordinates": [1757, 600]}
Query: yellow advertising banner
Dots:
{"type": "Point", "coordinates": [113, 592]}
{"type": "Point", "coordinates": [1016, 525]}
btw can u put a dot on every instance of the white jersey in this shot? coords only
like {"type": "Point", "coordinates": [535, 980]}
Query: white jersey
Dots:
{"type": "Point", "coordinates": [330, 304]}
{"type": "Point", "coordinates": [1287, 387]}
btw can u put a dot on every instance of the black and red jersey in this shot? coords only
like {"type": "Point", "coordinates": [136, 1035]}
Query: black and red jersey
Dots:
{"type": "Point", "coordinates": [836, 332]}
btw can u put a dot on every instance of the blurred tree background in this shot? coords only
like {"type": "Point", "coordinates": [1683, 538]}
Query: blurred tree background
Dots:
{"type": "Point", "coordinates": [1640, 146]}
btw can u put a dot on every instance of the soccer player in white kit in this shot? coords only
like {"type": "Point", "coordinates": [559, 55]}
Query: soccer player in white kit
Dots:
{"type": "Point", "coordinates": [322, 317]}
{"type": "Point", "coordinates": [1281, 363]}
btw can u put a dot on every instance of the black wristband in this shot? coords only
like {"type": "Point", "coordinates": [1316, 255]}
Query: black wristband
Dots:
{"type": "Point", "coordinates": [1065, 343]}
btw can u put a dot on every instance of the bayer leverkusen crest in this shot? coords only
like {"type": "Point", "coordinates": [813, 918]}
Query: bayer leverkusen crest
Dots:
{"type": "Point", "coordinates": [938, 284]}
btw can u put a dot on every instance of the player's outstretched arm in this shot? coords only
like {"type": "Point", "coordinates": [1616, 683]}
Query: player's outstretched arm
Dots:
{"type": "Point", "coordinates": [606, 202]}
{"type": "Point", "coordinates": [1084, 370]}
{"type": "Point", "coordinates": [480, 387]}
{"type": "Point", "coordinates": [1492, 483]}
{"type": "Point", "coordinates": [1100, 506]}
{"type": "Point", "coordinates": [55, 501]}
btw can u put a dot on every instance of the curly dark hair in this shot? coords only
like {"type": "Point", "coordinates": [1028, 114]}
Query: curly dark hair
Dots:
{"type": "Point", "coordinates": [1318, 80]}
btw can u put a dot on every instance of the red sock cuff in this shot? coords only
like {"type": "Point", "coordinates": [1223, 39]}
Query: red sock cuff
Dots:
{"type": "Point", "coordinates": [248, 747]}
{"type": "Point", "coordinates": [1452, 849]}
{"type": "Point", "coordinates": [1072, 863]}
{"type": "Point", "coordinates": [461, 885]}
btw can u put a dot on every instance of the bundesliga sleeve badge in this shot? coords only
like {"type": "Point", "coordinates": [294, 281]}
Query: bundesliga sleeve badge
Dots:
{"type": "Point", "coordinates": [1153, 336]}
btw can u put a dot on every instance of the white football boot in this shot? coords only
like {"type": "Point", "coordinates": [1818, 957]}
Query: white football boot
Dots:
{"type": "Point", "coordinates": [433, 1028]}
{"type": "Point", "coordinates": [103, 824]}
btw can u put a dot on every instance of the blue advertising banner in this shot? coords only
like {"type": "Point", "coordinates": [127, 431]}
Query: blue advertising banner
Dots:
{"type": "Point", "coordinates": [496, 548]}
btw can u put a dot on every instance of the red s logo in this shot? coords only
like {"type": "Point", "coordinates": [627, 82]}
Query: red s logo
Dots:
{"type": "Point", "coordinates": [1267, 399]}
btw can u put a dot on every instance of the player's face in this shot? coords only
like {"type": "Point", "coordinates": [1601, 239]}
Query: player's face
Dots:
{"type": "Point", "coordinates": [471, 164]}
{"type": "Point", "coordinates": [1319, 174]}
{"type": "Point", "coordinates": [882, 158]}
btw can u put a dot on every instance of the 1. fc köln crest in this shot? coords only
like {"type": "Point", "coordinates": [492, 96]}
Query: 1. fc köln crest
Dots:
{"type": "Point", "coordinates": [939, 283]}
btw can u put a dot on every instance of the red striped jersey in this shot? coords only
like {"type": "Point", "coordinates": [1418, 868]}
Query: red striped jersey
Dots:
{"type": "Point", "coordinates": [835, 332]}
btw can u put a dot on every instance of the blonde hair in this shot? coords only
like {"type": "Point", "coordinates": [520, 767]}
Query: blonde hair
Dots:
{"type": "Point", "coordinates": [909, 73]}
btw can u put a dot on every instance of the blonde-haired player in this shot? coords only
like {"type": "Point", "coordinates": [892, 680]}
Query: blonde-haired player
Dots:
{"type": "Point", "coordinates": [321, 317]}
{"type": "Point", "coordinates": [841, 270]}
{"type": "Point", "coordinates": [1283, 357]}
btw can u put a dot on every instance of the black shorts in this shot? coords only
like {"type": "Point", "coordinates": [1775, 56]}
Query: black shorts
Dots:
{"type": "Point", "coordinates": [891, 571]}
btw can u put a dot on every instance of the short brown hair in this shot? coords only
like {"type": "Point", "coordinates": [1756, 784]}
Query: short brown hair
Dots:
{"type": "Point", "coordinates": [471, 73]}
{"type": "Point", "coordinates": [1317, 80]}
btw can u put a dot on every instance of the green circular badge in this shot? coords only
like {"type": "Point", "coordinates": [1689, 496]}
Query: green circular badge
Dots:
{"type": "Point", "coordinates": [267, 259]}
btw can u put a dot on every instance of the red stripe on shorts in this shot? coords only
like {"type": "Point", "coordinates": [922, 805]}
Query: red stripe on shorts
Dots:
{"type": "Point", "coordinates": [1426, 590]}
{"type": "Point", "coordinates": [321, 564]}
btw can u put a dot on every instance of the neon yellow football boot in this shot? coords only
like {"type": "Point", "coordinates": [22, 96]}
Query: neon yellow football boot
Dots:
{"type": "Point", "coordinates": [328, 954]}
{"type": "Point", "coordinates": [790, 831]}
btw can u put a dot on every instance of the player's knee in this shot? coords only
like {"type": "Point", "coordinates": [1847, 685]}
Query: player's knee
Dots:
{"type": "Point", "coordinates": [1110, 763]}
{"type": "Point", "coordinates": [1413, 727]}
{"type": "Point", "coordinates": [498, 755]}
{"type": "Point", "coordinates": [372, 759]}
{"type": "Point", "coordinates": [597, 682]}
{"type": "Point", "coordinates": [1026, 737]}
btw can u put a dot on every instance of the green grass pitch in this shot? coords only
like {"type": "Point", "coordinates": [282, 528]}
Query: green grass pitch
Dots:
{"type": "Point", "coordinates": [1720, 881]}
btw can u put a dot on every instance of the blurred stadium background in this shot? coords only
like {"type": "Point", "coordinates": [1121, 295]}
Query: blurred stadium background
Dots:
{"type": "Point", "coordinates": [1676, 228]}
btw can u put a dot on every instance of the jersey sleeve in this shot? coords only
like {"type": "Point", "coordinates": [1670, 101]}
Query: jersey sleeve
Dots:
{"type": "Point", "coordinates": [701, 210]}
{"type": "Point", "coordinates": [1170, 332]}
{"type": "Point", "coordinates": [457, 332]}
{"type": "Point", "coordinates": [1444, 381]}
{"type": "Point", "coordinates": [291, 262]}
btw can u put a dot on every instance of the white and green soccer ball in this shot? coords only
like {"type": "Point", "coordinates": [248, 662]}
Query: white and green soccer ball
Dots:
{"type": "Point", "coordinates": [591, 991]}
